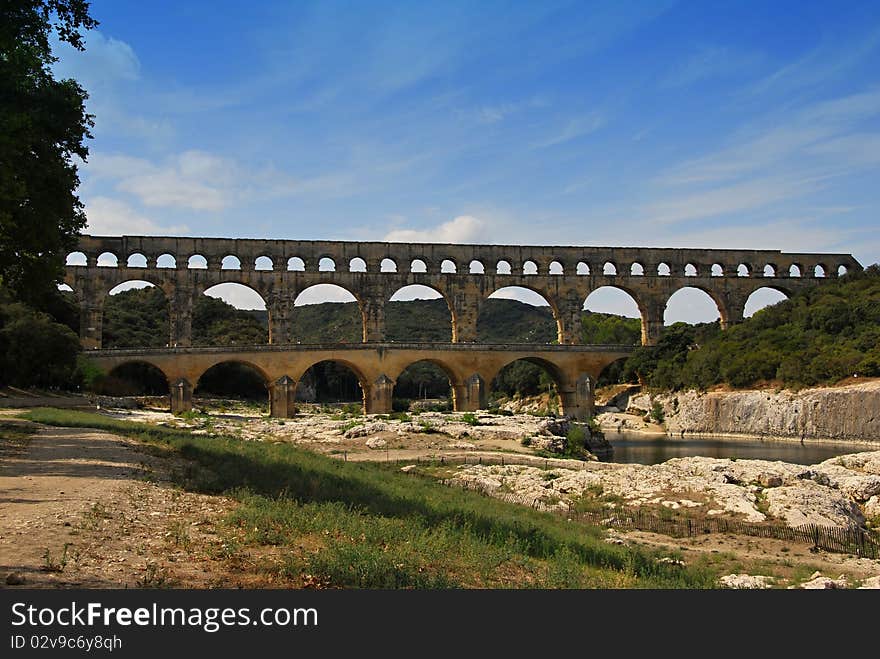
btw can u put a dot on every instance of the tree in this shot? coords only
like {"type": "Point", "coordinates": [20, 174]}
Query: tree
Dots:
{"type": "Point", "coordinates": [43, 124]}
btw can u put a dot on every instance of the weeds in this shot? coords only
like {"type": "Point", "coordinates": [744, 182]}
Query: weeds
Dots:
{"type": "Point", "coordinates": [51, 565]}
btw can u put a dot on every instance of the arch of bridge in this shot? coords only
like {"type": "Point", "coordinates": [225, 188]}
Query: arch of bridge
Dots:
{"type": "Point", "coordinates": [465, 293]}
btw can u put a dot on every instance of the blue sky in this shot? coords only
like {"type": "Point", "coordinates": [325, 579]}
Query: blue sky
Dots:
{"type": "Point", "coordinates": [700, 124]}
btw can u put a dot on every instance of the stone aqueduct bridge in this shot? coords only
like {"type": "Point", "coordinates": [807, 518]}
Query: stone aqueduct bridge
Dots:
{"type": "Point", "coordinates": [465, 275]}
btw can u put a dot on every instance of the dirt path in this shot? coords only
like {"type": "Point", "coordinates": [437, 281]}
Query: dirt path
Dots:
{"type": "Point", "coordinates": [82, 508]}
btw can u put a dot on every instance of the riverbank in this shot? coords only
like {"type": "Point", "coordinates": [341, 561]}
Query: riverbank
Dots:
{"type": "Point", "coordinates": [847, 413]}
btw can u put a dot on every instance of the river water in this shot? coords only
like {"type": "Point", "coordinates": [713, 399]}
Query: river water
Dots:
{"type": "Point", "coordinates": [641, 449]}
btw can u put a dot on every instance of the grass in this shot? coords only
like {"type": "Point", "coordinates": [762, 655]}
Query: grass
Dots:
{"type": "Point", "coordinates": [361, 525]}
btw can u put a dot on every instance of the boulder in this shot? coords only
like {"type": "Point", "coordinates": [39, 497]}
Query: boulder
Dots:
{"type": "Point", "coordinates": [364, 429]}
{"type": "Point", "coordinates": [376, 443]}
{"type": "Point", "coordinates": [745, 581]}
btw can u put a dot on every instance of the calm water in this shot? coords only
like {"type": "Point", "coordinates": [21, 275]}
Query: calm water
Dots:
{"type": "Point", "coordinates": [653, 450]}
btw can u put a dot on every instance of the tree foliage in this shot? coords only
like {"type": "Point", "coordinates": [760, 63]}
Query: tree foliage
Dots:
{"type": "Point", "coordinates": [36, 351]}
{"type": "Point", "coordinates": [43, 126]}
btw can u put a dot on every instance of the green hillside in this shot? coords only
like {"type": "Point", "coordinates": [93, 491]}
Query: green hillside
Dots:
{"type": "Point", "coordinates": [819, 336]}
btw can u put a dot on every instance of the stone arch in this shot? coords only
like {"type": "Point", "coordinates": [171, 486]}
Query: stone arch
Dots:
{"type": "Point", "coordinates": [326, 264]}
{"type": "Point", "coordinates": [315, 377]}
{"type": "Point", "coordinates": [418, 266]}
{"type": "Point", "coordinates": [357, 264]}
{"type": "Point", "coordinates": [448, 266]}
{"type": "Point", "coordinates": [612, 374]}
{"type": "Point", "coordinates": [141, 318]}
{"type": "Point", "coordinates": [263, 263]}
{"type": "Point", "coordinates": [429, 332]}
{"type": "Point", "coordinates": [690, 270]}
{"type": "Point", "coordinates": [820, 271]}
{"type": "Point", "coordinates": [503, 267]}
{"type": "Point", "coordinates": [717, 270]}
{"type": "Point", "coordinates": [245, 299]}
{"type": "Point", "coordinates": [663, 270]}
{"type": "Point", "coordinates": [528, 295]}
{"type": "Point", "coordinates": [769, 270]}
{"type": "Point", "coordinates": [108, 260]}
{"type": "Point", "coordinates": [233, 378]}
{"type": "Point", "coordinates": [340, 322]}
{"type": "Point", "coordinates": [136, 260]}
{"type": "Point", "coordinates": [135, 377]}
{"type": "Point", "coordinates": [529, 267]}
{"type": "Point", "coordinates": [688, 303]}
{"type": "Point", "coordinates": [795, 270]}
{"type": "Point", "coordinates": [476, 268]}
{"type": "Point", "coordinates": [388, 265]}
{"type": "Point", "coordinates": [764, 296]}
{"type": "Point", "coordinates": [609, 268]}
{"type": "Point", "coordinates": [197, 262]}
{"type": "Point", "coordinates": [617, 300]}
{"type": "Point", "coordinates": [166, 261]}
{"type": "Point", "coordinates": [744, 270]}
{"type": "Point", "coordinates": [426, 385]}
{"type": "Point", "coordinates": [555, 268]}
{"type": "Point", "coordinates": [527, 375]}
{"type": "Point", "coordinates": [76, 259]}
{"type": "Point", "coordinates": [230, 262]}
{"type": "Point", "coordinates": [296, 264]}
{"type": "Point", "coordinates": [637, 269]}
{"type": "Point", "coordinates": [841, 270]}
{"type": "Point", "coordinates": [582, 268]}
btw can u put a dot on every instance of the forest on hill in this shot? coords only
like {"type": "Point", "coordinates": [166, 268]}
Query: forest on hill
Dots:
{"type": "Point", "coordinates": [819, 336]}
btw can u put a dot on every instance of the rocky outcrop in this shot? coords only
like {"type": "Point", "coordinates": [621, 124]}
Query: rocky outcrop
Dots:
{"type": "Point", "coordinates": [845, 413]}
{"type": "Point", "coordinates": [750, 490]}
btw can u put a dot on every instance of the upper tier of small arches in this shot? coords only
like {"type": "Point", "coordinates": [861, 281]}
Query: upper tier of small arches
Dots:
{"type": "Point", "coordinates": [829, 266]}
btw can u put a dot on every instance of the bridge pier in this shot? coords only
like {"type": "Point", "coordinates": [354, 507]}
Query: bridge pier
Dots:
{"type": "Point", "coordinates": [181, 311]}
{"type": "Point", "coordinates": [282, 394]}
{"type": "Point", "coordinates": [577, 400]}
{"type": "Point", "coordinates": [470, 396]}
{"type": "Point", "coordinates": [91, 320]}
{"type": "Point", "coordinates": [181, 396]}
{"type": "Point", "coordinates": [379, 398]}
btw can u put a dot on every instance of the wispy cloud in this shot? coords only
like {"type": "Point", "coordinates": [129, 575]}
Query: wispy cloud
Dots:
{"type": "Point", "coordinates": [737, 198]}
{"type": "Point", "coordinates": [572, 129]}
{"type": "Point", "coordinates": [829, 60]}
{"type": "Point", "coordinates": [782, 138]}
{"type": "Point", "coordinates": [710, 62]}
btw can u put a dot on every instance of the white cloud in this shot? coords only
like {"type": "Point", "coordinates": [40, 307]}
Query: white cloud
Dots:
{"type": "Point", "coordinates": [462, 229]}
{"type": "Point", "coordinates": [111, 217]}
{"type": "Point", "coordinates": [104, 61]}
{"type": "Point", "coordinates": [192, 179]}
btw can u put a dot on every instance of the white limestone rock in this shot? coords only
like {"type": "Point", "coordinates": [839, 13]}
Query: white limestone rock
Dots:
{"type": "Point", "coordinates": [746, 581]}
{"type": "Point", "coordinates": [376, 443]}
{"type": "Point", "coordinates": [364, 430]}
{"type": "Point", "coordinates": [871, 583]}
{"type": "Point", "coordinates": [811, 503]}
